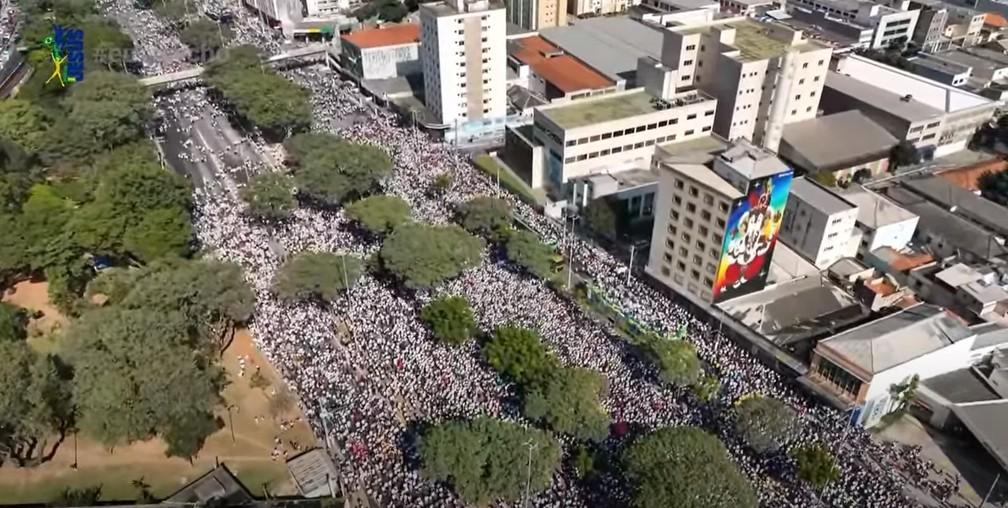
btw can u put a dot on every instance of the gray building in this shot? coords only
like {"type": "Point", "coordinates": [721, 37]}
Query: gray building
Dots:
{"type": "Point", "coordinates": [819, 225]}
{"type": "Point", "coordinates": [942, 70]}
{"type": "Point", "coordinates": [929, 34]}
{"type": "Point", "coordinates": [811, 146]}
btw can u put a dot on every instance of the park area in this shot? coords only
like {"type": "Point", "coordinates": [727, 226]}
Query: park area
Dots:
{"type": "Point", "coordinates": [259, 414]}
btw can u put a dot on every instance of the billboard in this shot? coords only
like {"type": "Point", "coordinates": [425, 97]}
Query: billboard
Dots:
{"type": "Point", "coordinates": [750, 236]}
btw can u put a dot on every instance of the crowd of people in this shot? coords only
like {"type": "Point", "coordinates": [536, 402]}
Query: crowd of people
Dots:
{"type": "Point", "coordinates": [368, 374]}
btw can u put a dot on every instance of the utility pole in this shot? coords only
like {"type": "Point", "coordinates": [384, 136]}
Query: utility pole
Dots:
{"type": "Point", "coordinates": [570, 253]}
{"type": "Point", "coordinates": [528, 479]}
{"type": "Point", "coordinates": [633, 249]}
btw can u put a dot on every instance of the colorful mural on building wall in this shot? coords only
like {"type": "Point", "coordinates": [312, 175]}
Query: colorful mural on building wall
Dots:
{"type": "Point", "coordinates": [750, 236]}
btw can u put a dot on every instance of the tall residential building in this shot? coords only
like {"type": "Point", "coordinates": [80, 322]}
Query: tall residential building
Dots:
{"type": "Point", "coordinates": [599, 7]}
{"type": "Point", "coordinates": [763, 76]}
{"type": "Point", "coordinates": [537, 14]}
{"type": "Point", "coordinates": [464, 58]}
{"type": "Point", "coordinates": [716, 226]}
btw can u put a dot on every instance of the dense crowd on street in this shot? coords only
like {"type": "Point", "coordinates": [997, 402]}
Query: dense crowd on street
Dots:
{"type": "Point", "coordinates": [368, 374]}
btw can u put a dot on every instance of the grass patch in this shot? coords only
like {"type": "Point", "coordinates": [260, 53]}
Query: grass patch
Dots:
{"type": "Point", "coordinates": [490, 167]}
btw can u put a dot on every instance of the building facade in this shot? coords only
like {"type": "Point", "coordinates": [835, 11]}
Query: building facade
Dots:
{"type": "Point", "coordinates": [764, 76]}
{"type": "Point", "coordinates": [882, 222]}
{"type": "Point", "coordinates": [715, 227]}
{"type": "Point", "coordinates": [381, 53]}
{"type": "Point", "coordinates": [890, 25]}
{"type": "Point", "coordinates": [537, 14]}
{"type": "Point", "coordinates": [929, 34]}
{"type": "Point", "coordinates": [464, 61]}
{"type": "Point", "coordinates": [597, 7]}
{"type": "Point", "coordinates": [819, 225]}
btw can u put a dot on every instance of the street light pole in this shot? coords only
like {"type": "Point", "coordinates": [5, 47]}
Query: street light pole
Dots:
{"type": "Point", "coordinates": [633, 249]}
{"type": "Point", "coordinates": [231, 422]}
{"type": "Point", "coordinates": [528, 479]}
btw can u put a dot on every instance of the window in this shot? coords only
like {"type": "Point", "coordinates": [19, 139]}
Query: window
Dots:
{"type": "Point", "coordinates": [677, 199]}
{"type": "Point", "coordinates": [685, 237]}
{"type": "Point", "coordinates": [652, 126]}
{"type": "Point", "coordinates": [689, 132]}
{"type": "Point", "coordinates": [718, 239]}
{"type": "Point", "coordinates": [704, 230]}
{"type": "Point", "coordinates": [797, 97]}
{"type": "Point", "coordinates": [688, 222]}
{"type": "Point", "coordinates": [804, 65]}
{"type": "Point", "coordinates": [705, 215]}
{"type": "Point", "coordinates": [594, 138]}
{"type": "Point", "coordinates": [707, 281]}
{"type": "Point", "coordinates": [682, 252]}
{"type": "Point", "coordinates": [687, 62]}
{"type": "Point", "coordinates": [693, 191]}
{"type": "Point", "coordinates": [607, 135]}
{"type": "Point", "coordinates": [672, 231]}
{"type": "Point", "coordinates": [705, 128]}
{"type": "Point", "coordinates": [801, 81]}
{"type": "Point", "coordinates": [690, 207]}
{"type": "Point", "coordinates": [700, 245]}
{"type": "Point", "coordinates": [695, 274]}
{"type": "Point", "coordinates": [681, 266]}
{"type": "Point", "coordinates": [691, 47]}
{"type": "Point", "coordinates": [691, 116]}
{"type": "Point", "coordinates": [697, 260]}
{"type": "Point", "coordinates": [663, 123]}
{"type": "Point", "coordinates": [667, 257]}
{"type": "Point", "coordinates": [665, 271]}
{"type": "Point", "coordinates": [721, 223]}
{"type": "Point", "coordinates": [679, 184]}
{"type": "Point", "coordinates": [685, 78]}
{"type": "Point", "coordinates": [709, 113]}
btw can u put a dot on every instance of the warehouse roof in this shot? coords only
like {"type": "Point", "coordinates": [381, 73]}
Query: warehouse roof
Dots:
{"type": "Point", "coordinates": [610, 44]}
{"type": "Point", "coordinates": [566, 73]}
{"type": "Point", "coordinates": [812, 142]}
{"type": "Point", "coordinates": [388, 35]}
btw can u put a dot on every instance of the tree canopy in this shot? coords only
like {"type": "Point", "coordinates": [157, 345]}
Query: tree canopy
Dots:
{"type": "Point", "coordinates": [569, 403]}
{"type": "Point", "coordinates": [763, 422]}
{"type": "Point", "coordinates": [815, 464]}
{"type": "Point", "coordinates": [904, 154]}
{"type": "Point", "coordinates": [423, 256]}
{"type": "Point", "coordinates": [450, 319]}
{"type": "Point", "coordinates": [316, 276]}
{"type": "Point", "coordinates": [106, 110]}
{"type": "Point", "coordinates": [33, 403]}
{"type": "Point", "coordinates": [379, 214]}
{"type": "Point", "coordinates": [270, 197]}
{"type": "Point", "coordinates": [203, 37]}
{"type": "Point", "coordinates": [330, 170]}
{"type": "Point", "coordinates": [993, 186]}
{"type": "Point", "coordinates": [485, 216]}
{"type": "Point", "coordinates": [518, 354]}
{"type": "Point", "coordinates": [676, 360]}
{"type": "Point", "coordinates": [480, 459]}
{"type": "Point", "coordinates": [526, 250]}
{"type": "Point", "coordinates": [13, 323]}
{"type": "Point", "coordinates": [684, 467]}
{"type": "Point", "coordinates": [605, 217]}
{"type": "Point", "coordinates": [272, 103]}
{"type": "Point", "coordinates": [23, 123]}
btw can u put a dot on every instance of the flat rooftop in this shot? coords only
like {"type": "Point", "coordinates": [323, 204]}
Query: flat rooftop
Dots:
{"type": "Point", "coordinates": [605, 108]}
{"type": "Point", "coordinates": [818, 197]}
{"type": "Point", "coordinates": [941, 64]}
{"type": "Point", "coordinates": [388, 35]}
{"type": "Point", "coordinates": [471, 6]}
{"type": "Point", "coordinates": [967, 204]}
{"type": "Point", "coordinates": [752, 38]}
{"type": "Point", "coordinates": [812, 141]}
{"type": "Point", "coordinates": [705, 176]}
{"type": "Point", "coordinates": [610, 45]}
{"type": "Point", "coordinates": [986, 421]}
{"type": "Point", "coordinates": [750, 161]}
{"type": "Point", "coordinates": [955, 230]}
{"type": "Point", "coordinates": [960, 386]}
{"type": "Point", "coordinates": [563, 71]}
{"type": "Point", "coordinates": [875, 210]}
{"type": "Point", "coordinates": [883, 99]}
{"type": "Point", "coordinates": [696, 151]}
{"type": "Point", "coordinates": [937, 96]}
{"type": "Point", "coordinates": [897, 338]}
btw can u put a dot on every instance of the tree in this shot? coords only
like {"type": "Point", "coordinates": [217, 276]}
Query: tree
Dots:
{"type": "Point", "coordinates": [518, 354]}
{"type": "Point", "coordinates": [23, 123]}
{"type": "Point", "coordinates": [330, 170]}
{"type": "Point", "coordinates": [763, 422]}
{"type": "Point", "coordinates": [480, 459]}
{"type": "Point", "coordinates": [569, 403]}
{"type": "Point", "coordinates": [904, 154]}
{"type": "Point", "coordinates": [423, 256]}
{"type": "Point", "coordinates": [270, 197]}
{"type": "Point", "coordinates": [450, 319]}
{"type": "Point", "coordinates": [994, 186]}
{"type": "Point", "coordinates": [485, 216]}
{"type": "Point", "coordinates": [825, 178]}
{"type": "Point", "coordinates": [442, 183]}
{"type": "Point", "coordinates": [88, 496]}
{"type": "Point", "coordinates": [379, 214]}
{"type": "Point", "coordinates": [676, 360]}
{"type": "Point", "coordinates": [524, 249]}
{"type": "Point", "coordinates": [135, 189]}
{"type": "Point", "coordinates": [105, 43]}
{"type": "Point", "coordinates": [108, 109]}
{"type": "Point", "coordinates": [316, 276]}
{"type": "Point", "coordinates": [684, 467]}
{"type": "Point", "coordinates": [392, 11]}
{"type": "Point", "coordinates": [203, 38]}
{"type": "Point", "coordinates": [604, 217]}
{"type": "Point", "coordinates": [172, 11]}
{"type": "Point", "coordinates": [162, 232]}
{"type": "Point", "coordinates": [706, 387]}
{"type": "Point", "coordinates": [13, 323]}
{"type": "Point", "coordinates": [34, 404]}
{"type": "Point", "coordinates": [43, 217]}
{"type": "Point", "coordinates": [136, 375]}
{"type": "Point", "coordinates": [815, 464]}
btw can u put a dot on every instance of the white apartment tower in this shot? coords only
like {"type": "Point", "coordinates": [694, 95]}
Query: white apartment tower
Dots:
{"type": "Point", "coordinates": [763, 76]}
{"type": "Point", "coordinates": [464, 60]}
{"type": "Point", "coordinates": [537, 14]}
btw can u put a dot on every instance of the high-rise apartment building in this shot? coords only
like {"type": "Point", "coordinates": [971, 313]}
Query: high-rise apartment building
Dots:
{"type": "Point", "coordinates": [537, 14]}
{"type": "Point", "coordinates": [464, 60]}
{"type": "Point", "coordinates": [929, 34]}
{"type": "Point", "coordinates": [716, 226]}
{"type": "Point", "coordinates": [763, 76]}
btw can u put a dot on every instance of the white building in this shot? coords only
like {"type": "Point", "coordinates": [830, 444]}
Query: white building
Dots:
{"type": "Point", "coordinates": [323, 8]}
{"type": "Point", "coordinates": [381, 53]}
{"type": "Point", "coordinates": [464, 60]}
{"type": "Point", "coordinates": [882, 222]}
{"type": "Point", "coordinates": [598, 7]}
{"type": "Point", "coordinates": [819, 225]}
{"type": "Point", "coordinates": [537, 14]}
{"type": "Point", "coordinates": [889, 25]}
{"type": "Point", "coordinates": [715, 227]}
{"type": "Point", "coordinates": [764, 76]}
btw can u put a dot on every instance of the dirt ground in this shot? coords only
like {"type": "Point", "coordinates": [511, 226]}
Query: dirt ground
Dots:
{"type": "Point", "coordinates": [34, 296]}
{"type": "Point", "coordinates": [249, 455]}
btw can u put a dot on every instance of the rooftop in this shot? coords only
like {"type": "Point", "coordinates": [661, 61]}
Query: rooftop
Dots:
{"type": "Point", "coordinates": [750, 161]}
{"type": "Point", "coordinates": [705, 176]}
{"type": "Point", "coordinates": [986, 421]}
{"type": "Point", "coordinates": [566, 73]}
{"type": "Point", "coordinates": [610, 45]}
{"type": "Point", "coordinates": [448, 8]}
{"type": "Point", "coordinates": [875, 210]}
{"type": "Point", "coordinates": [695, 151]}
{"type": "Point", "coordinates": [818, 197]}
{"type": "Point", "coordinates": [962, 202]}
{"type": "Point", "coordinates": [847, 267]}
{"type": "Point", "coordinates": [927, 92]}
{"type": "Point", "coordinates": [388, 35]}
{"type": "Point", "coordinates": [995, 20]}
{"type": "Point", "coordinates": [897, 338]}
{"type": "Point", "coordinates": [960, 386]}
{"type": "Point", "coordinates": [957, 275]}
{"type": "Point", "coordinates": [811, 141]}
{"type": "Point", "coordinates": [312, 472]}
{"type": "Point", "coordinates": [882, 99]}
{"type": "Point", "coordinates": [901, 261]}
{"type": "Point", "coordinates": [754, 40]}
{"type": "Point", "coordinates": [941, 64]}
{"type": "Point", "coordinates": [955, 230]}
{"type": "Point", "coordinates": [602, 108]}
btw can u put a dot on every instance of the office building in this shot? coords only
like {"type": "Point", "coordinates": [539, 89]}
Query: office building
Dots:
{"type": "Point", "coordinates": [537, 14]}
{"type": "Point", "coordinates": [938, 119]}
{"type": "Point", "coordinates": [811, 145]}
{"type": "Point", "coordinates": [596, 7]}
{"type": "Point", "coordinates": [716, 226]}
{"type": "Point", "coordinates": [764, 76]}
{"type": "Point", "coordinates": [612, 132]}
{"type": "Point", "coordinates": [889, 25]}
{"type": "Point", "coordinates": [464, 61]}
{"type": "Point", "coordinates": [381, 53]}
{"type": "Point", "coordinates": [819, 225]}
{"type": "Point", "coordinates": [882, 222]}
{"type": "Point", "coordinates": [929, 34]}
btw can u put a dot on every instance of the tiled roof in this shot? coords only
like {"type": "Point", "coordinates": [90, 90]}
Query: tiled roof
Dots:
{"type": "Point", "coordinates": [566, 73]}
{"type": "Point", "coordinates": [393, 35]}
